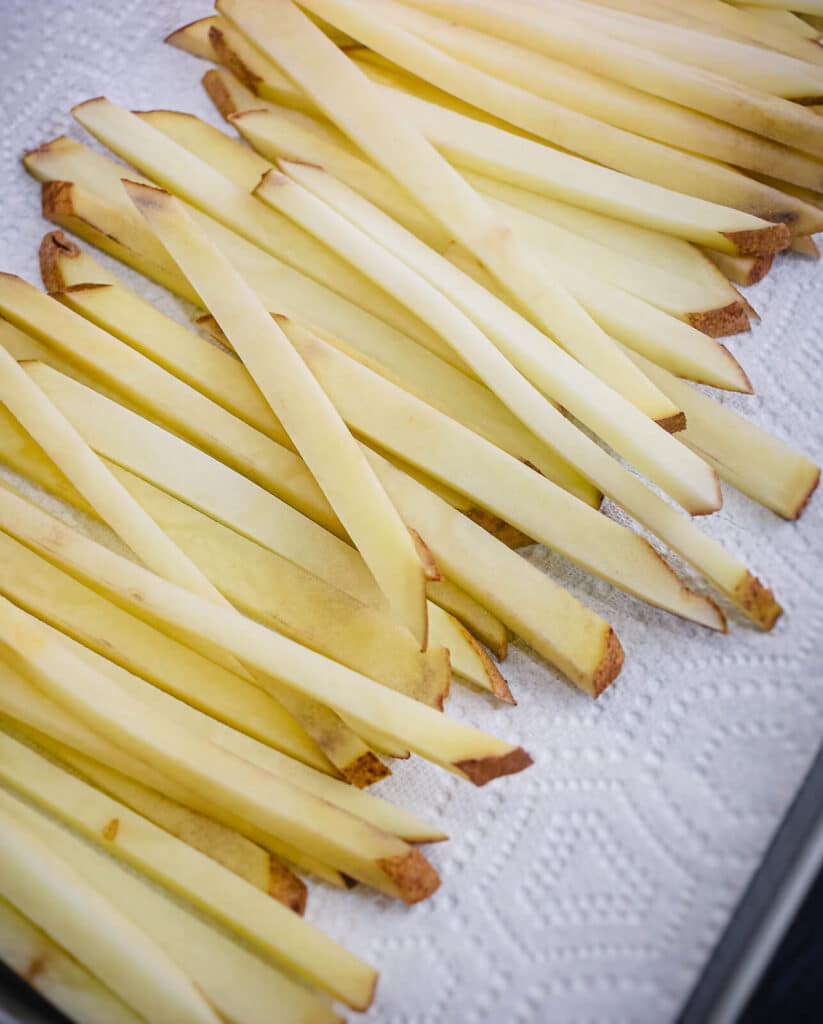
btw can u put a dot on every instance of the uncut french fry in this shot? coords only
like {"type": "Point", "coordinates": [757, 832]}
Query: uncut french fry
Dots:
{"type": "Point", "coordinates": [223, 845]}
{"type": "Point", "coordinates": [128, 440]}
{"type": "Point", "coordinates": [52, 895]}
{"type": "Point", "coordinates": [56, 975]}
{"type": "Point", "coordinates": [311, 421]}
{"type": "Point", "coordinates": [734, 579]}
{"type": "Point", "coordinates": [453, 745]}
{"type": "Point", "coordinates": [239, 984]}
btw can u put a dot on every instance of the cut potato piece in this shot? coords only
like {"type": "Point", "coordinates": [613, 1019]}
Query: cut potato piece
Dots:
{"type": "Point", "coordinates": [57, 976]}
{"type": "Point", "coordinates": [341, 744]}
{"type": "Point", "coordinates": [760, 69]}
{"type": "Point", "coordinates": [223, 845]}
{"type": "Point", "coordinates": [632, 321]}
{"type": "Point", "coordinates": [48, 725]}
{"type": "Point", "coordinates": [172, 166]}
{"type": "Point", "coordinates": [194, 38]}
{"type": "Point", "coordinates": [572, 637]}
{"type": "Point", "coordinates": [743, 270]}
{"type": "Point", "coordinates": [87, 687]}
{"type": "Point", "coordinates": [749, 458]}
{"type": "Point", "coordinates": [126, 835]}
{"type": "Point", "coordinates": [384, 414]}
{"type": "Point", "coordinates": [472, 145]}
{"type": "Point", "coordinates": [119, 311]}
{"type": "Point", "coordinates": [27, 705]}
{"type": "Point", "coordinates": [239, 984]}
{"type": "Point", "coordinates": [281, 133]}
{"type": "Point", "coordinates": [88, 617]}
{"type": "Point", "coordinates": [53, 896]}
{"type": "Point", "coordinates": [311, 420]}
{"type": "Point", "coordinates": [722, 17]}
{"type": "Point", "coordinates": [724, 571]}
{"type": "Point", "coordinates": [455, 746]}
{"type": "Point", "coordinates": [275, 592]}
{"type": "Point", "coordinates": [527, 90]}
{"type": "Point", "coordinates": [84, 194]}
{"type": "Point", "coordinates": [466, 215]}
{"type": "Point", "coordinates": [562, 35]}
{"type": "Point", "coordinates": [613, 418]}
{"type": "Point", "coordinates": [171, 400]}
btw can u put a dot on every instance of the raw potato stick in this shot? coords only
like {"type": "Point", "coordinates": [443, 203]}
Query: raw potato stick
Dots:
{"type": "Point", "coordinates": [29, 706]}
{"type": "Point", "coordinates": [725, 572]}
{"type": "Point", "coordinates": [170, 165]}
{"type": "Point", "coordinates": [631, 320]}
{"type": "Point", "coordinates": [753, 461]}
{"type": "Point", "coordinates": [115, 432]}
{"type": "Point", "coordinates": [455, 746]}
{"type": "Point", "coordinates": [57, 976]}
{"type": "Point", "coordinates": [240, 907]}
{"type": "Point", "coordinates": [239, 984]}
{"type": "Point", "coordinates": [171, 401]}
{"type": "Point", "coordinates": [137, 646]}
{"type": "Point", "coordinates": [86, 685]}
{"type": "Point", "coordinates": [521, 87]}
{"type": "Point", "coordinates": [459, 317]}
{"type": "Point", "coordinates": [559, 35]}
{"type": "Point", "coordinates": [281, 133]}
{"type": "Point", "coordinates": [223, 845]}
{"type": "Point", "coordinates": [44, 888]}
{"type": "Point", "coordinates": [310, 419]}
{"type": "Point", "coordinates": [580, 643]}
{"type": "Point", "coordinates": [139, 531]}
{"type": "Point", "coordinates": [49, 726]}
{"type": "Point", "coordinates": [403, 356]}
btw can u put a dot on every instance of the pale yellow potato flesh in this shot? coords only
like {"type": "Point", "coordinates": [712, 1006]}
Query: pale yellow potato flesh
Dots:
{"type": "Point", "coordinates": [242, 986]}
{"type": "Point", "coordinates": [454, 745]}
{"type": "Point", "coordinates": [312, 422]}
{"type": "Point", "coordinates": [40, 885]}
{"type": "Point", "coordinates": [734, 579]}
{"type": "Point", "coordinates": [57, 976]}
{"type": "Point", "coordinates": [563, 36]}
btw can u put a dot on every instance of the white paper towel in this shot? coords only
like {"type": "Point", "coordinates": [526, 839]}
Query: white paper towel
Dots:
{"type": "Point", "coordinates": [592, 887]}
